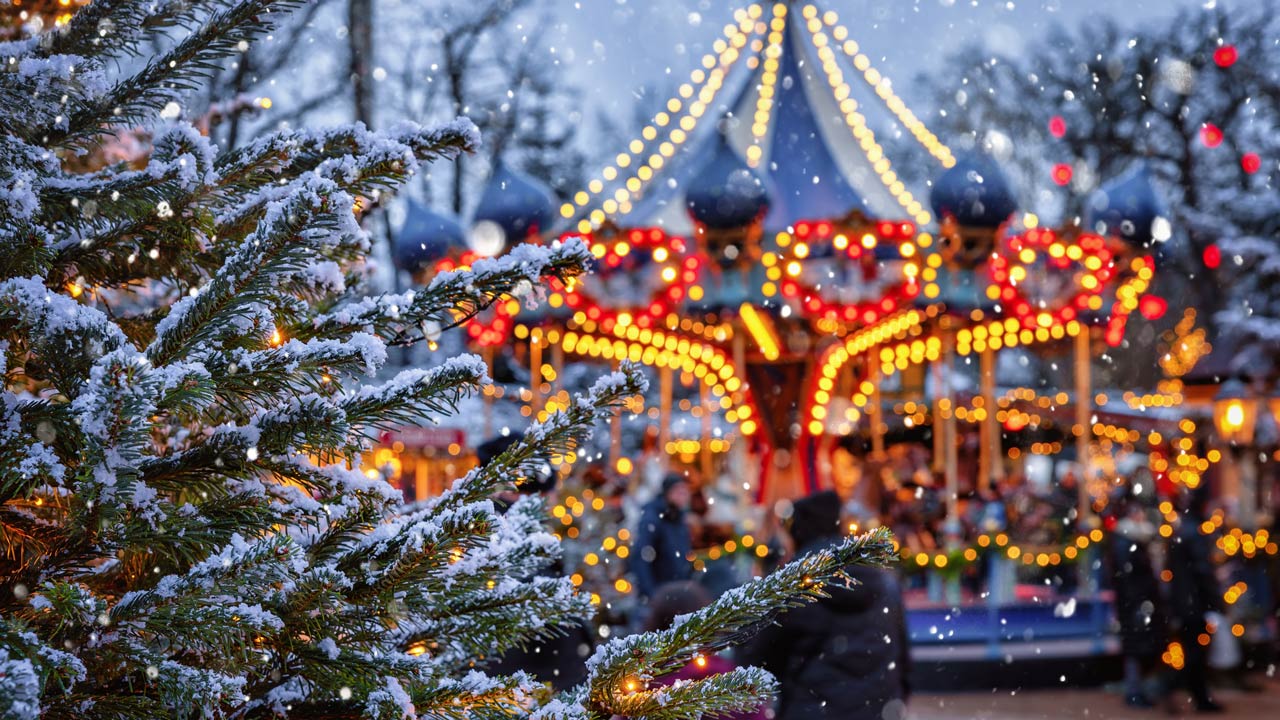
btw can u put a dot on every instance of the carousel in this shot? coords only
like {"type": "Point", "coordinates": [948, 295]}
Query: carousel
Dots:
{"type": "Point", "coordinates": [816, 325]}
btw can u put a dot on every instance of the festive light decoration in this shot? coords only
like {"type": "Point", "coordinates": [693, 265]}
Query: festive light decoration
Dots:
{"type": "Point", "coordinates": [881, 85]}
{"type": "Point", "coordinates": [1210, 135]}
{"type": "Point", "coordinates": [1251, 162]}
{"type": "Point", "coordinates": [1225, 56]}
{"type": "Point", "coordinates": [858, 124]}
{"type": "Point", "coordinates": [1057, 126]}
{"type": "Point", "coordinates": [706, 82]}
{"type": "Point", "coordinates": [1062, 173]}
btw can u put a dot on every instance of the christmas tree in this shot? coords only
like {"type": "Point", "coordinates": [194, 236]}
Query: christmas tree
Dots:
{"type": "Point", "coordinates": [191, 372]}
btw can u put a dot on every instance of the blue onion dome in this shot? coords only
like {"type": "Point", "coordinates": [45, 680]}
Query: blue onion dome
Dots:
{"type": "Point", "coordinates": [726, 193]}
{"type": "Point", "coordinates": [514, 207]}
{"type": "Point", "coordinates": [975, 192]}
{"type": "Point", "coordinates": [1129, 208]}
{"type": "Point", "coordinates": [426, 237]}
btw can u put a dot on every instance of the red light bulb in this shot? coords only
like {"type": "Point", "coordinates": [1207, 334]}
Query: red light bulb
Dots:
{"type": "Point", "coordinates": [1212, 257]}
{"type": "Point", "coordinates": [1057, 126]}
{"type": "Point", "coordinates": [1211, 135]}
{"type": "Point", "coordinates": [1251, 162]}
{"type": "Point", "coordinates": [1062, 173]}
{"type": "Point", "coordinates": [1226, 56]}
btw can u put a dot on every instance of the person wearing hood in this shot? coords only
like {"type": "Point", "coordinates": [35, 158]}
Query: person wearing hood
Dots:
{"type": "Point", "coordinates": [1137, 591]}
{"type": "Point", "coordinates": [558, 658]}
{"type": "Point", "coordinates": [663, 540]}
{"type": "Point", "coordinates": [846, 656]}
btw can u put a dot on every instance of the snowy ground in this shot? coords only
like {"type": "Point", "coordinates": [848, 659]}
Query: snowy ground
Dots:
{"type": "Point", "coordinates": [1083, 704]}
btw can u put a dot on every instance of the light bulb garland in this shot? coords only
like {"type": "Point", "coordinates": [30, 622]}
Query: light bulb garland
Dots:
{"type": "Point", "coordinates": [880, 84]}
{"type": "Point", "coordinates": [679, 117]}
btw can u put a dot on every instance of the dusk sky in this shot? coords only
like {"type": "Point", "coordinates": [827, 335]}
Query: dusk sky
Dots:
{"type": "Point", "coordinates": [616, 47]}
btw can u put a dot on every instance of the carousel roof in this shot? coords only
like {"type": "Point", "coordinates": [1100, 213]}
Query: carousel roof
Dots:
{"type": "Point", "coordinates": [794, 120]}
{"type": "Point", "coordinates": [517, 203]}
{"type": "Point", "coordinates": [1127, 207]}
{"type": "Point", "coordinates": [425, 237]}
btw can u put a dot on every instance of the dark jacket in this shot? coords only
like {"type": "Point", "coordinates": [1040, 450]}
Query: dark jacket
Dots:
{"type": "Point", "coordinates": [662, 545]}
{"type": "Point", "coordinates": [715, 665]}
{"type": "Point", "coordinates": [558, 659]}
{"type": "Point", "coordinates": [845, 657]}
{"type": "Point", "coordinates": [1139, 607]}
{"type": "Point", "coordinates": [1194, 590]}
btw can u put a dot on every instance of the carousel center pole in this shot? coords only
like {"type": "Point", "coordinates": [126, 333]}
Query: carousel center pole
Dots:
{"type": "Point", "coordinates": [704, 400]}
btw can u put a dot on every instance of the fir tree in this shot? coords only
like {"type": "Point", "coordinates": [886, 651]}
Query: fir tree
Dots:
{"type": "Point", "coordinates": [190, 365]}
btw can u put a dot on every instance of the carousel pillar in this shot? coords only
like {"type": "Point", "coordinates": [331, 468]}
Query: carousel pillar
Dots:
{"type": "Point", "coordinates": [535, 371]}
{"type": "Point", "coordinates": [939, 440]}
{"type": "Point", "coordinates": [877, 411]}
{"type": "Point", "coordinates": [1084, 412]}
{"type": "Point", "coordinates": [664, 415]}
{"type": "Point", "coordinates": [951, 458]}
{"type": "Point", "coordinates": [992, 467]}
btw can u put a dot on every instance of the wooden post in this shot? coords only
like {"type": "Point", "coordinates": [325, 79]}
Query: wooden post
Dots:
{"type": "Point", "coordinates": [992, 453]}
{"type": "Point", "coordinates": [877, 411]}
{"type": "Point", "coordinates": [535, 371]}
{"type": "Point", "coordinates": [951, 461]}
{"type": "Point", "coordinates": [1084, 413]}
{"type": "Point", "coordinates": [939, 440]}
{"type": "Point", "coordinates": [664, 415]}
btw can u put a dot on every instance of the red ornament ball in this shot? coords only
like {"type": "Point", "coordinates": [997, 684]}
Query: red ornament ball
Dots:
{"type": "Point", "coordinates": [1153, 307]}
{"type": "Point", "coordinates": [1057, 126]}
{"type": "Point", "coordinates": [1212, 257]}
{"type": "Point", "coordinates": [1226, 56]}
{"type": "Point", "coordinates": [1251, 162]}
{"type": "Point", "coordinates": [1211, 135]}
{"type": "Point", "coordinates": [1062, 173]}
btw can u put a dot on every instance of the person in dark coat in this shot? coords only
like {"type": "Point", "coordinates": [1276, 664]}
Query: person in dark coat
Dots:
{"type": "Point", "coordinates": [681, 598]}
{"type": "Point", "coordinates": [1194, 592]}
{"type": "Point", "coordinates": [1138, 604]}
{"type": "Point", "coordinates": [558, 659]}
{"type": "Point", "coordinates": [845, 657]}
{"type": "Point", "coordinates": [663, 540]}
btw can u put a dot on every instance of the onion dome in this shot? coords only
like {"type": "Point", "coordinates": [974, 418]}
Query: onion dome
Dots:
{"type": "Point", "coordinates": [514, 206]}
{"type": "Point", "coordinates": [426, 237]}
{"type": "Point", "coordinates": [726, 193]}
{"type": "Point", "coordinates": [975, 192]}
{"type": "Point", "coordinates": [1129, 208]}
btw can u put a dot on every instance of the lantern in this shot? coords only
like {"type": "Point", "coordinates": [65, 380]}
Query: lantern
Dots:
{"type": "Point", "coordinates": [1235, 413]}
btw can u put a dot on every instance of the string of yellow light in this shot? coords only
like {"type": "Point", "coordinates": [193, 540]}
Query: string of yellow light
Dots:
{"type": "Point", "coordinates": [861, 131]}
{"type": "Point", "coordinates": [881, 85]}
{"type": "Point", "coordinates": [680, 116]}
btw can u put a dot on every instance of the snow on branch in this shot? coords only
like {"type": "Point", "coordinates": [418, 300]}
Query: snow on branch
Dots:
{"type": "Point", "coordinates": [454, 297]}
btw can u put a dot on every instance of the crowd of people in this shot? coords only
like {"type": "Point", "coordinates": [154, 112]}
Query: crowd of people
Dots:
{"type": "Point", "coordinates": [848, 656]}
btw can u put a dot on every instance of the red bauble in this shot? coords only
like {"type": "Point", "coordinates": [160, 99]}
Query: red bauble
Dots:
{"type": "Point", "coordinates": [1251, 162]}
{"type": "Point", "coordinates": [1226, 56]}
{"type": "Point", "coordinates": [1153, 307]}
{"type": "Point", "coordinates": [1211, 135]}
{"type": "Point", "coordinates": [1212, 257]}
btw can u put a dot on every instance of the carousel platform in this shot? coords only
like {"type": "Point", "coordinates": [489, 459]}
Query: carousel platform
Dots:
{"type": "Point", "coordinates": [1033, 640]}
